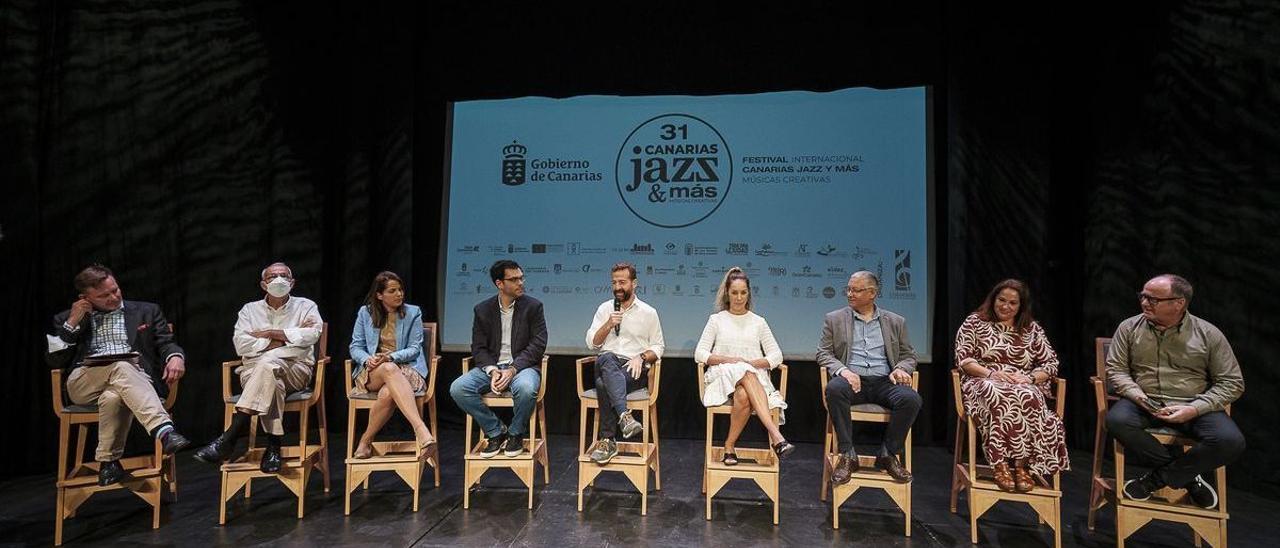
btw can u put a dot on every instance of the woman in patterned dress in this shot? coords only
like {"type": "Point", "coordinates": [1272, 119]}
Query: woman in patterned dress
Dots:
{"type": "Point", "coordinates": [1008, 365]}
{"type": "Point", "coordinates": [386, 345]}
{"type": "Point", "coordinates": [739, 350]}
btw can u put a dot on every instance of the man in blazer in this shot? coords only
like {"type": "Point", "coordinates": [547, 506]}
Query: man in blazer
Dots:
{"type": "Point", "coordinates": [508, 337]}
{"type": "Point", "coordinates": [866, 351]}
{"type": "Point", "coordinates": [119, 356]}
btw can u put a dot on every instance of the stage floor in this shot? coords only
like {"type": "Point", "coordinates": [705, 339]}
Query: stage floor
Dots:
{"type": "Point", "coordinates": [611, 516]}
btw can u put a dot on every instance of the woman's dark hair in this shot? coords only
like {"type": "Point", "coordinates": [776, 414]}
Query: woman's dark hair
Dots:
{"type": "Point", "coordinates": [376, 311]}
{"type": "Point", "coordinates": [1022, 320]}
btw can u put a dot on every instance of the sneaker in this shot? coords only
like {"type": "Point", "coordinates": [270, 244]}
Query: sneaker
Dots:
{"type": "Point", "coordinates": [1201, 493]}
{"type": "Point", "coordinates": [514, 446]}
{"type": "Point", "coordinates": [629, 426]}
{"type": "Point", "coordinates": [604, 451]}
{"type": "Point", "coordinates": [1142, 488]}
{"type": "Point", "coordinates": [493, 446]}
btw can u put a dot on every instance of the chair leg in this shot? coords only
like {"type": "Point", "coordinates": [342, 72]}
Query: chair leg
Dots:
{"type": "Point", "coordinates": [58, 514]}
{"type": "Point", "coordinates": [434, 431]}
{"type": "Point", "coordinates": [657, 454]}
{"type": "Point", "coordinates": [323, 422]}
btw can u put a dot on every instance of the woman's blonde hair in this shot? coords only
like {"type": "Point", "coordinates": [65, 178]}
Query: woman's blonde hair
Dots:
{"type": "Point", "coordinates": [722, 294]}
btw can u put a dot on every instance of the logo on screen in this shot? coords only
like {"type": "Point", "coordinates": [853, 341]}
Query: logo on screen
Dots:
{"type": "Point", "coordinates": [513, 164]}
{"type": "Point", "coordinates": [673, 170]}
{"type": "Point", "coordinates": [902, 269]}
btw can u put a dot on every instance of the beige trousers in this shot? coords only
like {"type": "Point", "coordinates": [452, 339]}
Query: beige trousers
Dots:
{"type": "Point", "coordinates": [265, 381]}
{"type": "Point", "coordinates": [117, 389]}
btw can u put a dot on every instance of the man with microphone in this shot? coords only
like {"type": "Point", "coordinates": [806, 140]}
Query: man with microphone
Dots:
{"type": "Point", "coordinates": [628, 336]}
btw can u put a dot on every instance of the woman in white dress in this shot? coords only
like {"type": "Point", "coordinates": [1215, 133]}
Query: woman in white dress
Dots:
{"type": "Point", "coordinates": [739, 350]}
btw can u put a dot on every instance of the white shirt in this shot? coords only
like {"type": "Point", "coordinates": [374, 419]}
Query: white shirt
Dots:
{"type": "Point", "coordinates": [746, 336]}
{"type": "Point", "coordinates": [640, 330]}
{"type": "Point", "coordinates": [507, 313]}
{"type": "Point", "coordinates": [258, 316]}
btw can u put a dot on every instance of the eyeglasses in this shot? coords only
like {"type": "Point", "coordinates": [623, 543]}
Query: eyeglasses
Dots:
{"type": "Point", "coordinates": [516, 279]}
{"type": "Point", "coordinates": [851, 291]}
{"type": "Point", "coordinates": [1145, 298]}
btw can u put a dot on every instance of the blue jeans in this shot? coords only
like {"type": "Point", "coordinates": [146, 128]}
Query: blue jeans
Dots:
{"type": "Point", "coordinates": [613, 383]}
{"type": "Point", "coordinates": [467, 389]}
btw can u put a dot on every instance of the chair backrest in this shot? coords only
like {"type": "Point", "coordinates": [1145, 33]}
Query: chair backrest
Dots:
{"type": "Point", "coordinates": [429, 332]}
{"type": "Point", "coordinates": [655, 378]}
{"type": "Point", "coordinates": [1101, 346]}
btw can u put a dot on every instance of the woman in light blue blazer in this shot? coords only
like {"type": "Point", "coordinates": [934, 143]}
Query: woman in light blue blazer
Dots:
{"type": "Point", "coordinates": [386, 346]}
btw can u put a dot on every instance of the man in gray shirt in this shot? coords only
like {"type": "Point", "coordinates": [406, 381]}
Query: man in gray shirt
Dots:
{"type": "Point", "coordinates": [1175, 370]}
{"type": "Point", "coordinates": [869, 357]}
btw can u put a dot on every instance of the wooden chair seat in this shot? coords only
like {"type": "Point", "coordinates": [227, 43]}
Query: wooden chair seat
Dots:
{"type": "Point", "coordinates": [867, 476]}
{"type": "Point", "coordinates": [983, 493]}
{"type": "Point", "coordinates": [758, 465]}
{"type": "Point", "coordinates": [400, 456]}
{"type": "Point", "coordinates": [297, 461]}
{"type": "Point", "coordinates": [149, 475]}
{"type": "Point", "coordinates": [635, 459]}
{"type": "Point", "coordinates": [535, 445]}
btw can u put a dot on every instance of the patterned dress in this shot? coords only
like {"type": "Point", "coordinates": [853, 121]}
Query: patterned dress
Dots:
{"type": "Point", "coordinates": [1014, 419]}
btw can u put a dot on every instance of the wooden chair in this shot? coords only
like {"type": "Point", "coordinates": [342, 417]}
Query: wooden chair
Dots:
{"type": "Point", "coordinates": [148, 475]}
{"type": "Point", "coordinates": [967, 474]}
{"type": "Point", "coordinates": [634, 459]}
{"type": "Point", "coordinates": [1102, 489]}
{"type": "Point", "coordinates": [867, 476]}
{"type": "Point", "coordinates": [401, 457]}
{"type": "Point", "coordinates": [755, 464]}
{"type": "Point", "coordinates": [297, 461]}
{"type": "Point", "coordinates": [535, 443]}
{"type": "Point", "coordinates": [1167, 504]}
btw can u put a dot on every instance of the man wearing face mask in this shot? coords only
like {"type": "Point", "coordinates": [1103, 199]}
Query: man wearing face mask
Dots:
{"type": "Point", "coordinates": [275, 339]}
{"type": "Point", "coordinates": [113, 348]}
{"type": "Point", "coordinates": [628, 335]}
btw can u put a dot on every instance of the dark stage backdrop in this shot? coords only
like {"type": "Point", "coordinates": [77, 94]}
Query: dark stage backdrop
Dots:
{"type": "Point", "coordinates": [188, 145]}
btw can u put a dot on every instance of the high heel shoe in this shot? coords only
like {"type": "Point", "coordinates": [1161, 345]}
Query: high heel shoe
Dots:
{"type": "Point", "coordinates": [363, 452]}
{"type": "Point", "coordinates": [783, 449]}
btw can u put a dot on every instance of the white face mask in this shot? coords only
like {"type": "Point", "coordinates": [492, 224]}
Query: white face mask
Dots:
{"type": "Point", "coordinates": [279, 287]}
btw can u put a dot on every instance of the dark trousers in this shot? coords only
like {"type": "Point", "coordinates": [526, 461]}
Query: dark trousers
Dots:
{"type": "Point", "coordinates": [1220, 442]}
{"type": "Point", "coordinates": [613, 383]}
{"type": "Point", "coordinates": [902, 402]}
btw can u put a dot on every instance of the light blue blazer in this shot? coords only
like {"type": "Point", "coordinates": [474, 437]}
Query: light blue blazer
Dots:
{"type": "Point", "coordinates": [364, 340]}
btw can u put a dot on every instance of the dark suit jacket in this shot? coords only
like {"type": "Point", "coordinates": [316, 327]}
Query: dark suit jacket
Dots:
{"type": "Point", "coordinates": [837, 332]}
{"type": "Point", "coordinates": [149, 336]}
{"type": "Point", "coordinates": [528, 333]}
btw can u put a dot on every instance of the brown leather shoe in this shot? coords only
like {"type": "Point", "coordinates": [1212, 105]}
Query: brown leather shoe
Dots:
{"type": "Point", "coordinates": [845, 467]}
{"type": "Point", "coordinates": [1023, 482]}
{"type": "Point", "coordinates": [1003, 477]}
{"type": "Point", "coordinates": [896, 470]}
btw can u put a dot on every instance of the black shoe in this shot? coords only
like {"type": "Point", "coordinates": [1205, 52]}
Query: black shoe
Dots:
{"type": "Point", "coordinates": [110, 473]}
{"type": "Point", "coordinates": [1142, 488]}
{"type": "Point", "coordinates": [270, 460]}
{"type": "Point", "coordinates": [846, 465]}
{"type": "Point", "coordinates": [174, 442]}
{"type": "Point", "coordinates": [493, 446]}
{"type": "Point", "coordinates": [1202, 494]}
{"type": "Point", "coordinates": [513, 446]}
{"type": "Point", "coordinates": [217, 452]}
{"type": "Point", "coordinates": [783, 449]}
{"type": "Point", "coordinates": [894, 467]}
